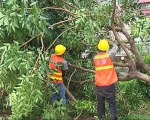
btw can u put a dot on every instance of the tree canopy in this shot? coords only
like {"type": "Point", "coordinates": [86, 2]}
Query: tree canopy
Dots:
{"type": "Point", "coordinates": [29, 30]}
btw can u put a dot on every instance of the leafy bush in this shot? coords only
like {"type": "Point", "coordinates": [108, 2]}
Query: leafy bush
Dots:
{"type": "Point", "coordinates": [144, 86]}
{"type": "Point", "coordinates": [129, 97]}
{"type": "Point", "coordinates": [82, 108]}
{"type": "Point", "coordinates": [19, 78]}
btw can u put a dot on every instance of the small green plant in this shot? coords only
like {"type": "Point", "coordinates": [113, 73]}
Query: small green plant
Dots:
{"type": "Point", "coordinates": [82, 108]}
{"type": "Point", "coordinates": [128, 96]}
{"type": "Point", "coordinates": [55, 111]}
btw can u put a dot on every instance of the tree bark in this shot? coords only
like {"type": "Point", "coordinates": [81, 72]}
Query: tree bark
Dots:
{"type": "Point", "coordinates": [132, 74]}
{"type": "Point", "coordinates": [69, 94]}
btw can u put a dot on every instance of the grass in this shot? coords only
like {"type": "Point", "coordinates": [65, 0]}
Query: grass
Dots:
{"type": "Point", "coordinates": [136, 117]}
{"type": "Point", "coordinates": [140, 117]}
{"type": "Point", "coordinates": [143, 113]}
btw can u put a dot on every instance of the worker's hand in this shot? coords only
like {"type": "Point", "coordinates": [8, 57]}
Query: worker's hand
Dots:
{"type": "Point", "coordinates": [110, 42]}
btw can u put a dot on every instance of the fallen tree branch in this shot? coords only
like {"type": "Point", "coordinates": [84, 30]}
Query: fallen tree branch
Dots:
{"type": "Point", "coordinates": [70, 5]}
{"type": "Point", "coordinates": [58, 37]}
{"type": "Point", "coordinates": [117, 37]}
{"type": "Point", "coordinates": [142, 76]}
{"type": "Point", "coordinates": [64, 10]}
{"type": "Point", "coordinates": [118, 29]}
{"type": "Point", "coordinates": [81, 82]}
{"type": "Point", "coordinates": [130, 76]}
{"type": "Point", "coordinates": [70, 78]}
{"type": "Point", "coordinates": [81, 68]}
{"type": "Point", "coordinates": [62, 22]}
{"type": "Point", "coordinates": [72, 98]}
{"type": "Point", "coordinates": [53, 8]}
{"type": "Point", "coordinates": [30, 39]}
{"type": "Point", "coordinates": [121, 64]}
{"type": "Point", "coordinates": [134, 49]}
{"type": "Point", "coordinates": [86, 81]}
{"type": "Point", "coordinates": [76, 118]}
{"type": "Point", "coordinates": [1, 93]}
{"type": "Point", "coordinates": [37, 61]}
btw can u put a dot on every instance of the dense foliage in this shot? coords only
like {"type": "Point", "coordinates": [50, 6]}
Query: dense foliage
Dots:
{"type": "Point", "coordinates": [29, 29]}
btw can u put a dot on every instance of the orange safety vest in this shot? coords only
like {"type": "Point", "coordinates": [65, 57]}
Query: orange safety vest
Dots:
{"type": "Point", "coordinates": [105, 73]}
{"type": "Point", "coordinates": [53, 64]}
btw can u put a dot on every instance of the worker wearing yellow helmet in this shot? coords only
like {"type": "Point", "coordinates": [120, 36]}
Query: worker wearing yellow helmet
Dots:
{"type": "Point", "coordinates": [105, 78]}
{"type": "Point", "coordinates": [103, 45]}
{"type": "Point", "coordinates": [60, 65]}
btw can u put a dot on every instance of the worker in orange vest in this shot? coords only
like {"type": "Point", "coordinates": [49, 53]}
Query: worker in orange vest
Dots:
{"type": "Point", "coordinates": [105, 79]}
{"type": "Point", "coordinates": [58, 65]}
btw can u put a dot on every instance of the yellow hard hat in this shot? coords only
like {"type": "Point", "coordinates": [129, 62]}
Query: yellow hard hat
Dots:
{"type": "Point", "coordinates": [103, 45]}
{"type": "Point", "coordinates": [60, 49]}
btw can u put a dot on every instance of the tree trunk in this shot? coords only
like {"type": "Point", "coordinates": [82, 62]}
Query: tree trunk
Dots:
{"type": "Point", "coordinates": [69, 94]}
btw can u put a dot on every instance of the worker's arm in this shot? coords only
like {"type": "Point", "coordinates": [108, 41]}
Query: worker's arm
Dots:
{"type": "Point", "coordinates": [113, 50]}
{"type": "Point", "coordinates": [65, 67]}
{"type": "Point", "coordinates": [63, 73]}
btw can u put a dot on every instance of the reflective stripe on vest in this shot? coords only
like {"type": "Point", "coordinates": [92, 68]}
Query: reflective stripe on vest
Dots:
{"type": "Point", "coordinates": [55, 78]}
{"type": "Point", "coordinates": [105, 73]}
{"type": "Point", "coordinates": [102, 56]}
{"type": "Point", "coordinates": [54, 59]}
{"type": "Point", "coordinates": [104, 68]}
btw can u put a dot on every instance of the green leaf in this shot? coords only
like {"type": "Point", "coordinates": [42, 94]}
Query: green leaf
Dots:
{"type": "Point", "coordinates": [44, 18]}
{"type": "Point", "coordinates": [11, 65]}
{"type": "Point", "coordinates": [33, 3]}
{"type": "Point", "coordinates": [9, 2]}
{"type": "Point", "coordinates": [6, 20]}
{"type": "Point", "coordinates": [1, 15]}
{"type": "Point", "coordinates": [16, 23]}
{"type": "Point", "coordinates": [47, 68]}
{"type": "Point", "coordinates": [3, 48]}
{"type": "Point", "coordinates": [1, 21]}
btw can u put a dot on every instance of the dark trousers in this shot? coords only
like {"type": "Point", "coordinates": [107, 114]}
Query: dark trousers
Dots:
{"type": "Point", "coordinates": [106, 92]}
